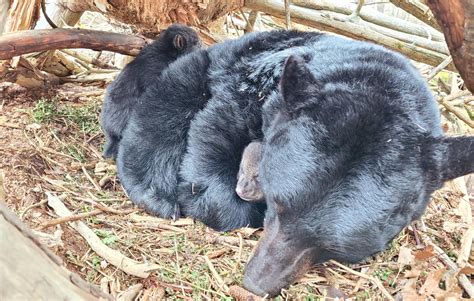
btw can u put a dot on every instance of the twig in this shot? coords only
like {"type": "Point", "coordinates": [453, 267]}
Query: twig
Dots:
{"type": "Point", "coordinates": [253, 16]}
{"type": "Point", "coordinates": [10, 125]}
{"type": "Point", "coordinates": [466, 246]}
{"type": "Point", "coordinates": [216, 274]}
{"type": "Point", "coordinates": [114, 257]}
{"type": "Point", "coordinates": [96, 186]}
{"type": "Point", "coordinates": [287, 14]}
{"type": "Point", "coordinates": [31, 207]}
{"type": "Point", "coordinates": [70, 218]}
{"type": "Point", "coordinates": [440, 67]}
{"type": "Point", "coordinates": [370, 278]}
{"type": "Point", "coordinates": [89, 60]}
{"type": "Point", "coordinates": [415, 234]}
{"type": "Point", "coordinates": [130, 293]}
{"type": "Point", "coordinates": [234, 241]}
{"type": "Point", "coordinates": [454, 96]}
{"type": "Point", "coordinates": [458, 112]}
{"type": "Point", "coordinates": [175, 287]}
{"type": "Point", "coordinates": [463, 280]}
{"type": "Point", "coordinates": [79, 216]}
{"type": "Point", "coordinates": [89, 78]}
{"type": "Point", "coordinates": [356, 13]}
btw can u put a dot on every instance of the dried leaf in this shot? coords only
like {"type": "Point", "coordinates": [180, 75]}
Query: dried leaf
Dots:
{"type": "Point", "coordinates": [467, 270]}
{"type": "Point", "coordinates": [408, 291]}
{"type": "Point", "coordinates": [450, 227]}
{"type": "Point", "coordinates": [425, 254]}
{"type": "Point", "coordinates": [431, 285]}
{"type": "Point", "coordinates": [405, 257]}
{"type": "Point", "coordinates": [413, 273]}
{"type": "Point", "coordinates": [247, 232]}
{"type": "Point", "coordinates": [334, 292]}
{"type": "Point", "coordinates": [217, 253]}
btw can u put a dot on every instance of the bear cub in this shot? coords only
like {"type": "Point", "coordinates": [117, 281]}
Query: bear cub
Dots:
{"type": "Point", "coordinates": [248, 185]}
{"type": "Point", "coordinates": [125, 91]}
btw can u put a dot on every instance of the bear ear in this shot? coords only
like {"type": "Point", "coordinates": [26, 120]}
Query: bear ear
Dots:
{"type": "Point", "coordinates": [179, 42]}
{"type": "Point", "coordinates": [297, 82]}
{"type": "Point", "coordinates": [455, 156]}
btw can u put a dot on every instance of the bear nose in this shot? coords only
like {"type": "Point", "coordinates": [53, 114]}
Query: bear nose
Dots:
{"type": "Point", "coordinates": [239, 190]}
{"type": "Point", "coordinates": [252, 286]}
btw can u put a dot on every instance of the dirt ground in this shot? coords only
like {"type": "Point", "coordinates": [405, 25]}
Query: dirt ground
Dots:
{"type": "Point", "coordinates": [50, 141]}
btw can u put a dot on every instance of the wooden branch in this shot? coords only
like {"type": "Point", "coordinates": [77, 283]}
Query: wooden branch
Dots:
{"type": "Point", "coordinates": [440, 47]}
{"type": "Point", "coordinates": [329, 21]}
{"type": "Point", "coordinates": [456, 18]}
{"type": "Point", "coordinates": [458, 112]}
{"type": "Point", "coordinates": [438, 68]}
{"type": "Point", "coordinates": [18, 43]}
{"type": "Point", "coordinates": [30, 271]}
{"type": "Point", "coordinates": [114, 257]}
{"type": "Point", "coordinates": [370, 15]}
{"type": "Point", "coordinates": [418, 10]}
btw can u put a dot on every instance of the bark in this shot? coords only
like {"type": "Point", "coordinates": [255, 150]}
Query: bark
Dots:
{"type": "Point", "coordinates": [22, 15]}
{"type": "Point", "coordinates": [60, 14]}
{"type": "Point", "coordinates": [456, 18]}
{"type": "Point", "coordinates": [29, 271]}
{"type": "Point", "coordinates": [4, 5]}
{"type": "Point", "coordinates": [14, 44]}
{"type": "Point", "coordinates": [152, 15]}
{"type": "Point", "coordinates": [334, 22]}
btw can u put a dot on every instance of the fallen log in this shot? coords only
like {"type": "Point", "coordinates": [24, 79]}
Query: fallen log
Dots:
{"type": "Point", "coordinates": [30, 271]}
{"type": "Point", "coordinates": [22, 42]}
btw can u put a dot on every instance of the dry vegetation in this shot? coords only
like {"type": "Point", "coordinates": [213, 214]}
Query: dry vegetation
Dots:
{"type": "Point", "coordinates": [50, 142]}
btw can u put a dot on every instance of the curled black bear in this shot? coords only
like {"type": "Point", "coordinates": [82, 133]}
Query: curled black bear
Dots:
{"type": "Point", "coordinates": [191, 128]}
{"type": "Point", "coordinates": [352, 150]}
{"type": "Point", "coordinates": [124, 92]}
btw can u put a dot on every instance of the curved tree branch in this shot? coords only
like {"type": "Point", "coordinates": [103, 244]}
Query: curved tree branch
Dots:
{"type": "Point", "coordinates": [18, 43]}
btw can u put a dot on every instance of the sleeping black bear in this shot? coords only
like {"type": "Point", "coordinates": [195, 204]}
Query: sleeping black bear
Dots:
{"type": "Point", "coordinates": [181, 151]}
{"type": "Point", "coordinates": [352, 147]}
{"type": "Point", "coordinates": [352, 151]}
{"type": "Point", "coordinates": [125, 91]}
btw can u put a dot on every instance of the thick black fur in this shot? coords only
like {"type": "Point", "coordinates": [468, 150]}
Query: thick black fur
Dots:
{"type": "Point", "coordinates": [192, 126]}
{"type": "Point", "coordinates": [352, 151]}
{"type": "Point", "coordinates": [125, 91]}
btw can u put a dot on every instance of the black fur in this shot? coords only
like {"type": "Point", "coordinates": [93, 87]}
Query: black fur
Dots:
{"type": "Point", "coordinates": [216, 95]}
{"type": "Point", "coordinates": [352, 151]}
{"type": "Point", "coordinates": [125, 91]}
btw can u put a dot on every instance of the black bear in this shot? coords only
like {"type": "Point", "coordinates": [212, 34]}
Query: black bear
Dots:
{"type": "Point", "coordinates": [181, 150]}
{"type": "Point", "coordinates": [125, 91]}
{"type": "Point", "coordinates": [248, 185]}
{"type": "Point", "coordinates": [352, 151]}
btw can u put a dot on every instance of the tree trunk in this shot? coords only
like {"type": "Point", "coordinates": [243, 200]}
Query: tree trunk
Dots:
{"type": "Point", "coordinates": [29, 271]}
{"type": "Point", "coordinates": [456, 18]}
{"type": "Point", "coordinates": [22, 15]}
{"type": "Point", "coordinates": [153, 15]}
{"type": "Point", "coordinates": [60, 14]}
{"type": "Point", "coordinates": [4, 5]}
